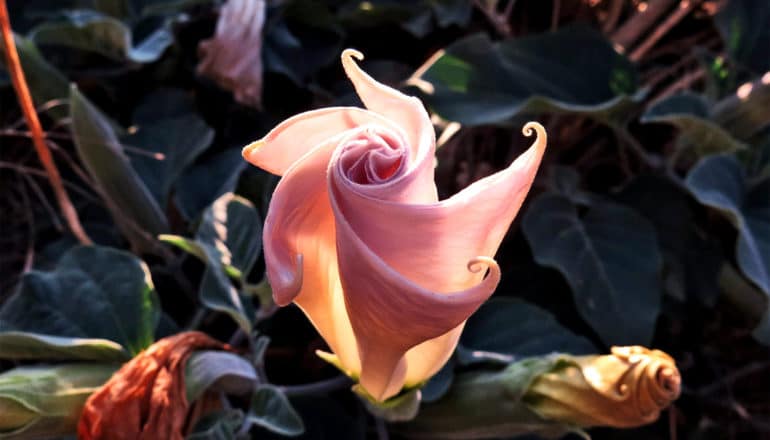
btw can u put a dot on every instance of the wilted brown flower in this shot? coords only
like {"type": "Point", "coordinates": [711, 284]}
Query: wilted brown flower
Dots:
{"type": "Point", "coordinates": [146, 398]}
{"type": "Point", "coordinates": [625, 389]}
{"type": "Point", "coordinates": [233, 57]}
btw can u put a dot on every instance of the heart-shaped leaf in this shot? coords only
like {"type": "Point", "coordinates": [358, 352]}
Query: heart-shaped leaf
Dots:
{"type": "Point", "coordinates": [610, 259]}
{"type": "Point", "coordinates": [94, 292]}
{"type": "Point", "coordinates": [512, 327]}
{"type": "Point", "coordinates": [91, 31]}
{"type": "Point", "coordinates": [573, 70]}
{"type": "Point", "coordinates": [171, 144]}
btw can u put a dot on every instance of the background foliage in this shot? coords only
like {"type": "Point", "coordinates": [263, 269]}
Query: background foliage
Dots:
{"type": "Point", "coordinates": [649, 222]}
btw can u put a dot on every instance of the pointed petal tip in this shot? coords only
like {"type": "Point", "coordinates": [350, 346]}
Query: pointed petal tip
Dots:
{"type": "Point", "coordinates": [249, 150]}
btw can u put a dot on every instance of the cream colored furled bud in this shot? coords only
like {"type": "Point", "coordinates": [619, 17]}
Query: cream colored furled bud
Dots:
{"type": "Point", "coordinates": [625, 389]}
{"type": "Point", "coordinates": [551, 396]}
{"type": "Point", "coordinates": [44, 402]}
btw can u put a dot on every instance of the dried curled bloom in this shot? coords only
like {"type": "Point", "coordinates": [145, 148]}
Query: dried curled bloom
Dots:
{"type": "Point", "coordinates": [625, 389]}
{"type": "Point", "coordinates": [355, 234]}
{"type": "Point", "coordinates": [146, 398]}
{"type": "Point", "coordinates": [233, 58]}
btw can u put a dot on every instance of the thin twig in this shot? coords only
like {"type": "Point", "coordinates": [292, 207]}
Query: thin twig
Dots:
{"type": "Point", "coordinates": [615, 9]}
{"type": "Point", "coordinates": [672, 20]}
{"type": "Point", "coordinates": [38, 137]}
{"type": "Point", "coordinates": [555, 15]}
{"type": "Point", "coordinates": [36, 172]}
{"type": "Point", "coordinates": [734, 376]}
{"type": "Point", "coordinates": [636, 26]}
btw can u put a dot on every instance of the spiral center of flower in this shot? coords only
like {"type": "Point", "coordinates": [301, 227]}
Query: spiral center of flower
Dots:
{"type": "Point", "coordinates": [371, 157]}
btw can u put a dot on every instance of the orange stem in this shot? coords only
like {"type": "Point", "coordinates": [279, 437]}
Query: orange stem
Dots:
{"type": "Point", "coordinates": [38, 136]}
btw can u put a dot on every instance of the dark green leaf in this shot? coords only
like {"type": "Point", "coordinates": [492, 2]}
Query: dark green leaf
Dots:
{"type": "Point", "coordinates": [219, 370]}
{"type": "Point", "coordinates": [744, 29]}
{"type": "Point", "coordinates": [609, 257]}
{"type": "Point", "coordinates": [690, 114]}
{"type": "Point", "coordinates": [691, 256]}
{"type": "Point", "coordinates": [720, 182]}
{"type": "Point", "coordinates": [171, 145]}
{"type": "Point", "coordinates": [216, 291]}
{"type": "Point", "coordinates": [232, 226]}
{"type": "Point", "coordinates": [102, 154]}
{"type": "Point", "coordinates": [46, 82]}
{"type": "Point", "coordinates": [271, 410]}
{"type": "Point", "coordinates": [221, 425]}
{"type": "Point", "coordinates": [204, 182]}
{"type": "Point", "coordinates": [26, 345]}
{"type": "Point", "coordinates": [94, 292]}
{"type": "Point", "coordinates": [94, 32]}
{"type": "Point", "coordinates": [574, 70]}
{"type": "Point", "coordinates": [512, 327]}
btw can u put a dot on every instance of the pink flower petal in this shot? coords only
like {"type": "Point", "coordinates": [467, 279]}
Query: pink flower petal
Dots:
{"type": "Point", "coordinates": [398, 261]}
{"type": "Point", "coordinates": [299, 247]}
{"type": "Point", "coordinates": [298, 135]}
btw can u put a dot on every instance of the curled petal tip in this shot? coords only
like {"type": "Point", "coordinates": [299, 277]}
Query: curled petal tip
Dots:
{"type": "Point", "coordinates": [535, 127]}
{"type": "Point", "coordinates": [348, 55]}
{"type": "Point", "coordinates": [475, 265]}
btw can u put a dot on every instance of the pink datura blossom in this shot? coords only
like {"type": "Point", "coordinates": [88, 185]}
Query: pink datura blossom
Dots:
{"type": "Point", "coordinates": [355, 234]}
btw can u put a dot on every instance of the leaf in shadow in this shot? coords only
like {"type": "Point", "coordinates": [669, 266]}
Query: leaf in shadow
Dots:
{"type": "Point", "coordinates": [610, 259]}
{"type": "Point", "coordinates": [94, 292]}
{"type": "Point", "coordinates": [131, 203]}
{"type": "Point", "coordinates": [574, 70]}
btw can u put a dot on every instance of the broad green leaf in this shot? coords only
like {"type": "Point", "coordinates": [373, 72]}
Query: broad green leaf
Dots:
{"type": "Point", "coordinates": [46, 82]}
{"type": "Point", "coordinates": [691, 256]}
{"type": "Point", "coordinates": [513, 327]}
{"type": "Point", "coordinates": [98, 147]}
{"type": "Point", "coordinates": [690, 114]}
{"type": "Point", "coordinates": [574, 70]}
{"type": "Point", "coordinates": [220, 425]}
{"type": "Point", "coordinates": [216, 291]}
{"type": "Point", "coordinates": [744, 29]}
{"type": "Point", "coordinates": [27, 345]}
{"type": "Point", "coordinates": [271, 410]}
{"type": "Point", "coordinates": [232, 226]}
{"type": "Point", "coordinates": [221, 370]}
{"type": "Point", "coordinates": [171, 145]}
{"type": "Point", "coordinates": [720, 182]}
{"type": "Point", "coordinates": [610, 259]}
{"type": "Point", "coordinates": [107, 36]}
{"type": "Point", "coordinates": [94, 292]}
{"type": "Point", "coordinates": [204, 182]}
{"type": "Point", "coordinates": [45, 402]}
